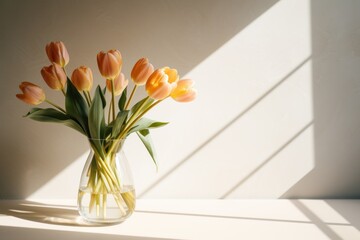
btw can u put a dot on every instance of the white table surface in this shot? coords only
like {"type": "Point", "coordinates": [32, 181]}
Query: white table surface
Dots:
{"type": "Point", "coordinates": [187, 219]}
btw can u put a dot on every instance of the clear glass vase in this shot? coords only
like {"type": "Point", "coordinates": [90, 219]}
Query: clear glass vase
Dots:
{"type": "Point", "coordinates": [106, 192]}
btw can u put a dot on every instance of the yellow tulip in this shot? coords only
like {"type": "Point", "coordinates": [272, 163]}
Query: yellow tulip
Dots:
{"type": "Point", "coordinates": [120, 83]}
{"type": "Point", "coordinates": [54, 76]}
{"type": "Point", "coordinates": [184, 91]}
{"type": "Point", "coordinates": [57, 53]}
{"type": "Point", "coordinates": [109, 63]}
{"type": "Point", "coordinates": [161, 83]}
{"type": "Point", "coordinates": [82, 78]}
{"type": "Point", "coordinates": [32, 94]}
{"type": "Point", "coordinates": [141, 71]}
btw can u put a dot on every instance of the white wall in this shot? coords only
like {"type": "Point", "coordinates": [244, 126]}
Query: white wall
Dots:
{"type": "Point", "coordinates": [278, 107]}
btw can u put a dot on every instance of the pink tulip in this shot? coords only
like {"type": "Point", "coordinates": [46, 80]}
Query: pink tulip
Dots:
{"type": "Point", "coordinates": [120, 83]}
{"type": "Point", "coordinates": [57, 53]}
{"type": "Point", "coordinates": [82, 78]}
{"type": "Point", "coordinates": [32, 94]}
{"type": "Point", "coordinates": [141, 71]}
{"type": "Point", "coordinates": [54, 76]}
{"type": "Point", "coordinates": [109, 63]}
{"type": "Point", "coordinates": [184, 91]}
{"type": "Point", "coordinates": [161, 83]}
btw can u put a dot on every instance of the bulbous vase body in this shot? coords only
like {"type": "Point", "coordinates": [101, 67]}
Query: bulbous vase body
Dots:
{"type": "Point", "coordinates": [106, 191]}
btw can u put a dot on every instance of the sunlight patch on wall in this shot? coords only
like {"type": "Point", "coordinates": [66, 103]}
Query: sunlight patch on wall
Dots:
{"type": "Point", "coordinates": [255, 94]}
{"type": "Point", "coordinates": [65, 183]}
{"type": "Point", "coordinates": [255, 98]}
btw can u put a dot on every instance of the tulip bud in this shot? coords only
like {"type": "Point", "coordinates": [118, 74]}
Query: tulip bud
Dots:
{"type": "Point", "coordinates": [161, 83]}
{"type": "Point", "coordinates": [109, 63]}
{"type": "Point", "coordinates": [141, 71]}
{"type": "Point", "coordinates": [32, 94]}
{"type": "Point", "coordinates": [82, 78]}
{"type": "Point", "coordinates": [184, 91]}
{"type": "Point", "coordinates": [54, 76]}
{"type": "Point", "coordinates": [120, 83]}
{"type": "Point", "coordinates": [57, 53]}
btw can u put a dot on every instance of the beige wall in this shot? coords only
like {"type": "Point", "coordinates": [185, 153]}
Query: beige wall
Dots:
{"type": "Point", "coordinates": [278, 110]}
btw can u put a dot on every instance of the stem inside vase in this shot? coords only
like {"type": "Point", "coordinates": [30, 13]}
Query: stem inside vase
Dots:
{"type": "Point", "coordinates": [106, 192]}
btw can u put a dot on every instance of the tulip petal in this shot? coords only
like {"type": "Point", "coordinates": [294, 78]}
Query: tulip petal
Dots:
{"type": "Point", "coordinates": [57, 53]}
{"type": "Point", "coordinates": [32, 94]}
{"type": "Point", "coordinates": [120, 83]}
{"type": "Point", "coordinates": [82, 78]}
{"type": "Point", "coordinates": [161, 91]}
{"type": "Point", "coordinates": [141, 71]}
{"type": "Point", "coordinates": [109, 63]}
{"type": "Point", "coordinates": [172, 74]}
{"type": "Point", "coordinates": [54, 76]}
{"type": "Point", "coordinates": [184, 91]}
{"type": "Point", "coordinates": [188, 97]}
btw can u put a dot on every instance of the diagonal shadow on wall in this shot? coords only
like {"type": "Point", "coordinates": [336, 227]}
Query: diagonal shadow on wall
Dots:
{"type": "Point", "coordinates": [266, 161]}
{"type": "Point", "coordinates": [229, 124]}
{"type": "Point", "coordinates": [179, 33]}
{"type": "Point", "coordinates": [336, 105]}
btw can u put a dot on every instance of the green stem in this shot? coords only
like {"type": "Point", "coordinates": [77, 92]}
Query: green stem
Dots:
{"type": "Point", "coordinates": [109, 115]}
{"type": "Point", "coordinates": [107, 182]}
{"type": "Point", "coordinates": [101, 162]}
{"type": "Point", "coordinates": [86, 98]}
{"type": "Point", "coordinates": [131, 96]}
{"type": "Point", "coordinates": [55, 105]}
{"type": "Point", "coordinates": [62, 89]}
{"type": "Point", "coordinates": [122, 134]}
{"type": "Point", "coordinates": [113, 98]}
{"type": "Point", "coordinates": [108, 171]}
{"type": "Point", "coordinates": [141, 115]}
{"type": "Point", "coordinates": [104, 205]}
{"type": "Point", "coordinates": [132, 117]}
{"type": "Point", "coordinates": [89, 96]}
{"type": "Point", "coordinates": [139, 109]}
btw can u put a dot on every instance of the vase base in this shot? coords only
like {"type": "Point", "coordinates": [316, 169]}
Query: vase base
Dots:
{"type": "Point", "coordinates": [106, 208]}
{"type": "Point", "coordinates": [104, 221]}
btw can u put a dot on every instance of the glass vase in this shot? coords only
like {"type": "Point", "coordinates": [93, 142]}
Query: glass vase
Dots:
{"type": "Point", "coordinates": [106, 191]}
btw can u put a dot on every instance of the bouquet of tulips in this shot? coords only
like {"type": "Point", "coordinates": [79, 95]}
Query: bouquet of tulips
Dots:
{"type": "Point", "coordinates": [85, 112]}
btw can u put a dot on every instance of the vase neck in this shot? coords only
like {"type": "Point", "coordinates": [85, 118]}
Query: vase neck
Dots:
{"type": "Point", "coordinates": [106, 145]}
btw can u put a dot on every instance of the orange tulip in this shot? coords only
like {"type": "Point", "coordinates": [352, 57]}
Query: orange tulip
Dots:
{"type": "Point", "coordinates": [54, 76]}
{"type": "Point", "coordinates": [120, 83]}
{"type": "Point", "coordinates": [32, 94]}
{"type": "Point", "coordinates": [57, 53]}
{"type": "Point", "coordinates": [109, 63]}
{"type": "Point", "coordinates": [141, 71]}
{"type": "Point", "coordinates": [161, 83]}
{"type": "Point", "coordinates": [184, 91]}
{"type": "Point", "coordinates": [82, 78]}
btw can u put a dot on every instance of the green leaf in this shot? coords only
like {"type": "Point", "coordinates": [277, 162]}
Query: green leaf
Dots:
{"type": "Point", "coordinates": [96, 115]}
{"type": "Point", "coordinates": [103, 126]}
{"type": "Point", "coordinates": [122, 100]}
{"type": "Point", "coordinates": [145, 137]}
{"type": "Point", "coordinates": [118, 123]}
{"type": "Point", "coordinates": [108, 130]}
{"type": "Point", "coordinates": [55, 116]}
{"type": "Point", "coordinates": [136, 107]}
{"type": "Point", "coordinates": [96, 120]}
{"type": "Point", "coordinates": [76, 106]}
{"type": "Point", "coordinates": [103, 99]}
{"type": "Point", "coordinates": [145, 123]}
